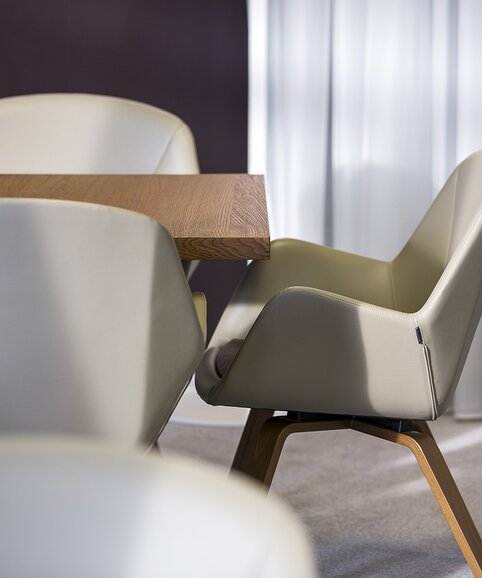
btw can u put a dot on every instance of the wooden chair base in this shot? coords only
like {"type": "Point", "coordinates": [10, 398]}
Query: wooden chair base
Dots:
{"type": "Point", "coordinates": [263, 438]}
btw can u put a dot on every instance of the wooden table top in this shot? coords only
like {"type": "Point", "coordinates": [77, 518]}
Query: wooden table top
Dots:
{"type": "Point", "coordinates": [209, 216]}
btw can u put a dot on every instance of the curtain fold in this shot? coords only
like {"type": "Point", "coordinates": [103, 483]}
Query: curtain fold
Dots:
{"type": "Point", "coordinates": [365, 108]}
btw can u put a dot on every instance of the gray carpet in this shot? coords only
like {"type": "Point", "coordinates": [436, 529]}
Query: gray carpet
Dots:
{"type": "Point", "coordinates": [369, 510]}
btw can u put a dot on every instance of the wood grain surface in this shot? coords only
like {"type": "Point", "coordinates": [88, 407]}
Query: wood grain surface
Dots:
{"type": "Point", "coordinates": [263, 438]}
{"type": "Point", "coordinates": [209, 216]}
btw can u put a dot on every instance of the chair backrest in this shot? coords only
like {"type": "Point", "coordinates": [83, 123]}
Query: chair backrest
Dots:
{"type": "Point", "coordinates": [98, 332]}
{"type": "Point", "coordinates": [70, 509]}
{"type": "Point", "coordinates": [438, 275]}
{"type": "Point", "coordinates": [86, 133]}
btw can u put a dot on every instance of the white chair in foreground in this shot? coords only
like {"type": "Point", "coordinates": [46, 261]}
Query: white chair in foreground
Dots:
{"type": "Point", "coordinates": [98, 331]}
{"type": "Point", "coordinates": [74, 509]}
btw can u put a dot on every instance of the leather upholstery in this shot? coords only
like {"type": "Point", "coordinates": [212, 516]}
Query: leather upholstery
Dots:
{"type": "Point", "coordinates": [327, 331]}
{"type": "Point", "coordinates": [98, 331]}
{"type": "Point", "coordinates": [70, 509]}
{"type": "Point", "coordinates": [89, 133]}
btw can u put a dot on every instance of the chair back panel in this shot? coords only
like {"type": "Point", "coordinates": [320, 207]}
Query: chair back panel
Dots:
{"type": "Point", "coordinates": [450, 317]}
{"type": "Point", "coordinates": [98, 333]}
{"type": "Point", "coordinates": [439, 272]}
{"type": "Point", "coordinates": [69, 509]}
{"type": "Point", "coordinates": [423, 259]}
{"type": "Point", "coordinates": [418, 267]}
{"type": "Point", "coordinates": [467, 201]}
{"type": "Point", "coordinates": [85, 133]}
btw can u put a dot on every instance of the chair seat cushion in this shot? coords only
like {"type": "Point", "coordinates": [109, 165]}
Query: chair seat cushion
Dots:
{"type": "Point", "coordinates": [226, 355]}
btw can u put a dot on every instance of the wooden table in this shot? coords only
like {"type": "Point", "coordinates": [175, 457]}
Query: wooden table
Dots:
{"type": "Point", "coordinates": [209, 216]}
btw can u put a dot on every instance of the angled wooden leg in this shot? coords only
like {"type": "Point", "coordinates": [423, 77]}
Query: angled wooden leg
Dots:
{"type": "Point", "coordinates": [423, 427]}
{"type": "Point", "coordinates": [443, 486]}
{"type": "Point", "coordinates": [247, 442]}
{"type": "Point", "coordinates": [260, 458]}
{"type": "Point", "coordinates": [262, 441]}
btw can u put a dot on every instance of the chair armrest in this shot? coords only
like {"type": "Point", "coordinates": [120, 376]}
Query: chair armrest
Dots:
{"type": "Point", "coordinates": [311, 350]}
{"type": "Point", "coordinates": [298, 263]}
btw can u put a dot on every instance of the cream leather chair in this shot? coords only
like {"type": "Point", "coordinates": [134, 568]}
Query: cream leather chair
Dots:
{"type": "Point", "coordinates": [98, 331]}
{"type": "Point", "coordinates": [71, 509]}
{"type": "Point", "coordinates": [370, 345]}
{"type": "Point", "coordinates": [88, 133]}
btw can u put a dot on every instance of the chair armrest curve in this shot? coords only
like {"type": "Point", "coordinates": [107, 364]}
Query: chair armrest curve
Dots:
{"type": "Point", "coordinates": [311, 350]}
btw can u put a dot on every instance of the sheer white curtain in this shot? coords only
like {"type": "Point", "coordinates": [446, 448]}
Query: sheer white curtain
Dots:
{"type": "Point", "coordinates": [359, 110]}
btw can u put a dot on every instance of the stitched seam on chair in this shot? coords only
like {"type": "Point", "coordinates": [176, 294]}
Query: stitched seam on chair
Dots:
{"type": "Point", "coordinates": [169, 142]}
{"type": "Point", "coordinates": [377, 310]}
{"type": "Point", "coordinates": [428, 370]}
{"type": "Point", "coordinates": [453, 263]}
{"type": "Point", "coordinates": [430, 379]}
{"type": "Point", "coordinates": [431, 383]}
{"type": "Point", "coordinates": [453, 215]}
{"type": "Point", "coordinates": [392, 285]}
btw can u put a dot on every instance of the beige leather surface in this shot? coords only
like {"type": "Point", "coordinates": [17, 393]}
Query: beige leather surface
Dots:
{"type": "Point", "coordinates": [200, 304]}
{"type": "Point", "coordinates": [300, 263]}
{"type": "Point", "coordinates": [98, 331]}
{"type": "Point", "coordinates": [89, 133]}
{"type": "Point", "coordinates": [326, 331]}
{"type": "Point", "coordinates": [70, 509]}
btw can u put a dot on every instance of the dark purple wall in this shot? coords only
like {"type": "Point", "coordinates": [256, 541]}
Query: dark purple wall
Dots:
{"type": "Point", "coordinates": [187, 56]}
